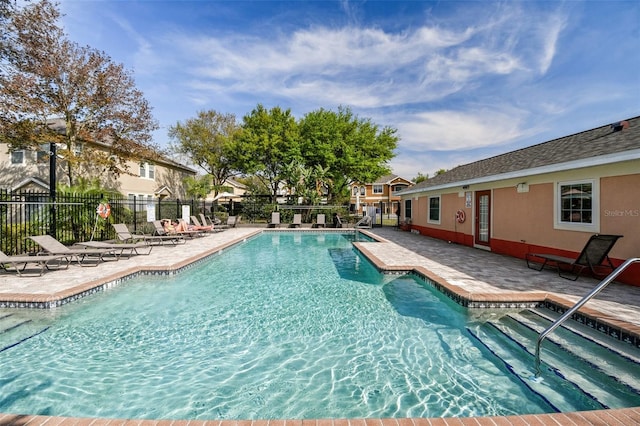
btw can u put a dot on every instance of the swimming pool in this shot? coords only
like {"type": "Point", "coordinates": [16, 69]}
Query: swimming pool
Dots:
{"type": "Point", "coordinates": [287, 325]}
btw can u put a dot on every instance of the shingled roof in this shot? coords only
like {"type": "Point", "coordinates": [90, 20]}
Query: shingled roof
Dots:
{"type": "Point", "coordinates": [617, 138]}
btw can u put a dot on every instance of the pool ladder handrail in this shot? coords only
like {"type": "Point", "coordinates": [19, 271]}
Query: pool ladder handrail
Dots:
{"type": "Point", "coordinates": [605, 282]}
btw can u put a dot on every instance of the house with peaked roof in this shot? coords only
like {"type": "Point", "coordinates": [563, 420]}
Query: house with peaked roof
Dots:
{"type": "Point", "coordinates": [379, 194]}
{"type": "Point", "coordinates": [29, 169]}
{"type": "Point", "coordinates": [550, 197]}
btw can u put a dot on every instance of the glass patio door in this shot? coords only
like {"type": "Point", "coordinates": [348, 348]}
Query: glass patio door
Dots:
{"type": "Point", "coordinates": [483, 218]}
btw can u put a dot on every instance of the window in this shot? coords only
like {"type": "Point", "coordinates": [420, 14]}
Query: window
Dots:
{"type": "Point", "coordinates": [377, 189]}
{"type": "Point", "coordinates": [17, 157]}
{"type": "Point", "coordinates": [77, 149]}
{"type": "Point", "coordinates": [407, 209]}
{"type": "Point", "coordinates": [577, 205]}
{"type": "Point", "coordinates": [434, 209]}
{"type": "Point", "coordinates": [147, 171]}
{"type": "Point", "coordinates": [355, 191]}
{"type": "Point", "coordinates": [362, 190]}
{"type": "Point", "coordinates": [42, 156]}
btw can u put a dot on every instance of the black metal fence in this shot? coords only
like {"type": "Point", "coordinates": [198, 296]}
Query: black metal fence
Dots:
{"type": "Point", "coordinates": [72, 218]}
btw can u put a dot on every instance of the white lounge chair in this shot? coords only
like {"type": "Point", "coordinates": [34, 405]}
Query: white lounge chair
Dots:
{"type": "Point", "coordinates": [275, 220]}
{"type": "Point", "coordinates": [365, 222]}
{"type": "Point", "coordinates": [297, 221]}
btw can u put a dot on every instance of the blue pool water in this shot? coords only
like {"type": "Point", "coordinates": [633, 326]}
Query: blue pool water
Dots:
{"type": "Point", "coordinates": [286, 325]}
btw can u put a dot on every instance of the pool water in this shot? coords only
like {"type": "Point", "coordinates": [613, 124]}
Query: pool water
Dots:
{"type": "Point", "coordinates": [285, 325]}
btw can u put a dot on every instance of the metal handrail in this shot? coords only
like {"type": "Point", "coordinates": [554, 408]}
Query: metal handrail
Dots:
{"type": "Point", "coordinates": [605, 282]}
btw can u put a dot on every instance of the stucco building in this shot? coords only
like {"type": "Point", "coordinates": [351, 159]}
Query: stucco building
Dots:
{"type": "Point", "coordinates": [550, 197]}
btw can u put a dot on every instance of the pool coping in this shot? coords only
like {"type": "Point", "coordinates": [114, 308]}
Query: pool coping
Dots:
{"type": "Point", "coordinates": [471, 300]}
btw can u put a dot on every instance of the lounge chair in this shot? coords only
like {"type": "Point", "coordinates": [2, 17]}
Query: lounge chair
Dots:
{"type": "Point", "coordinates": [50, 245]}
{"type": "Point", "coordinates": [159, 230]}
{"type": "Point", "coordinates": [297, 221]}
{"type": "Point", "coordinates": [141, 247]}
{"type": "Point", "coordinates": [196, 222]}
{"type": "Point", "coordinates": [321, 221]}
{"type": "Point", "coordinates": [125, 236]}
{"type": "Point", "coordinates": [41, 262]}
{"type": "Point", "coordinates": [207, 221]}
{"type": "Point", "coordinates": [595, 252]}
{"type": "Point", "coordinates": [365, 222]}
{"type": "Point", "coordinates": [275, 220]}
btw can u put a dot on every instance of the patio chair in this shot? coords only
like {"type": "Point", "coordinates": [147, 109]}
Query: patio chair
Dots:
{"type": "Point", "coordinates": [159, 230]}
{"type": "Point", "coordinates": [41, 262]}
{"type": "Point", "coordinates": [50, 245]}
{"type": "Point", "coordinates": [139, 248]}
{"type": "Point", "coordinates": [207, 221]}
{"type": "Point", "coordinates": [297, 221]}
{"type": "Point", "coordinates": [321, 221]}
{"type": "Point", "coordinates": [125, 236]}
{"type": "Point", "coordinates": [365, 222]}
{"type": "Point", "coordinates": [595, 252]}
{"type": "Point", "coordinates": [196, 222]}
{"type": "Point", "coordinates": [275, 220]}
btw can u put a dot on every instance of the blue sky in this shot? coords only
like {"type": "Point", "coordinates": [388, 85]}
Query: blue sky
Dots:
{"type": "Point", "coordinates": [460, 80]}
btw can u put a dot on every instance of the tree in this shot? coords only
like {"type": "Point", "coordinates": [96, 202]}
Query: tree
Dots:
{"type": "Point", "coordinates": [268, 142]}
{"type": "Point", "coordinates": [209, 140]}
{"type": "Point", "coordinates": [53, 90]}
{"type": "Point", "coordinates": [420, 178]}
{"type": "Point", "coordinates": [198, 186]}
{"type": "Point", "coordinates": [441, 171]}
{"type": "Point", "coordinates": [348, 148]}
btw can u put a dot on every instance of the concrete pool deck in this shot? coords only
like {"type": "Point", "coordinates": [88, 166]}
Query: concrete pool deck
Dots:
{"type": "Point", "coordinates": [475, 275]}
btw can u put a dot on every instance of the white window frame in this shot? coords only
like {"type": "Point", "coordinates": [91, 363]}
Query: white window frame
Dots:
{"type": "Point", "coordinates": [429, 219]}
{"type": "Point", "coordinates": [147, 171]}
{"type": "Point", "coordinates": [558, 223]}
{"type": "Point", "coordinates": [378, 189]}
{"type": "Point", "coordinates": [23, 159]}
{"type": "Point", "coordinates": [78, 148]}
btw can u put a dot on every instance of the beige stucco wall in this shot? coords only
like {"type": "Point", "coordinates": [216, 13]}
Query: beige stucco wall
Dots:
{"type": "Point", "coordinates": [165, 175]}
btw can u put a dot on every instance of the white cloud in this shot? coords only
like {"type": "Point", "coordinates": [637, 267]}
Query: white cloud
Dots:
{"type": "Point", "coordinates": [453, 130]}
{"type": "Point", "coordinates": [358, 66]}
{"type": "Point", "coordinates": [549, 34]}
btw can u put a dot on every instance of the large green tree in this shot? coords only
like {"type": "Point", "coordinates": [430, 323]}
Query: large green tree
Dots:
{"type": "Point", "coordinates": [53, 90]}
{"type": "Point", "coordinates": [269, 141]}
{"type": "Point", "coordinates": [349, 148]}
{"type": "Point", "coordinates": [210, 142]}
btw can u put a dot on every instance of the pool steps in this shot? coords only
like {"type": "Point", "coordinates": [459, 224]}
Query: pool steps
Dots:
{"type": "Point", "coordinates": [15, 330]}
{"type": "Point", "coordinates": [570, 360]}
{"type": "Point", "coordinates": [581, 362]}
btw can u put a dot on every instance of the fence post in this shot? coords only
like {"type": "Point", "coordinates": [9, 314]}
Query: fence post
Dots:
{"type": "Point", "coordinates": [52, 188]}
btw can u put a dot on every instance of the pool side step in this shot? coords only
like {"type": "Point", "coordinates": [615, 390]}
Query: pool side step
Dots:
{"type": "Point", "coordinates": [622, 367]}
{"type": "Point", "coordinates": [605, 377]}
{"type": "Point", "coordinates": [520, 363]}
{"type": "Point", "coordinates": [623, 349]}
{"type": "Point", "coordinates": [15, 330]}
